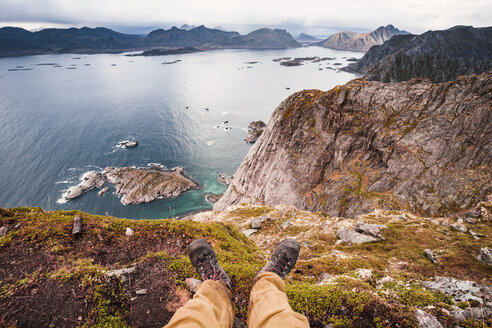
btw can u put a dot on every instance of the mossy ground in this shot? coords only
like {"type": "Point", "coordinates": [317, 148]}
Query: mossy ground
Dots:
{"type": "Point", "coordinates": [50, 278]}
{"type": "Point", "coordinates": [397, 265]}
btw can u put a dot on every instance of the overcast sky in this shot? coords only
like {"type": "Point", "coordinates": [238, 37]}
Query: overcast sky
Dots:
{"type": "Point", "coordinates": [317, 17]}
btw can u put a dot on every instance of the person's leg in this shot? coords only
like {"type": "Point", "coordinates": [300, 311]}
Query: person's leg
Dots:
{"type": "Point", "coordinates": [211, 307]}
{"type": "Point", "coordinates": [268, 303]}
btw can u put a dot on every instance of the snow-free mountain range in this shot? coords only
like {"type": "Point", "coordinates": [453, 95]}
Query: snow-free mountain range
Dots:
{"type": "Point", "coordinates": [16, 41]}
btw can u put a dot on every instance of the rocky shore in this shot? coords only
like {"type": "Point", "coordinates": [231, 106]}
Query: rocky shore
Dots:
{"type": "Point", "coordinates": [136, 185]}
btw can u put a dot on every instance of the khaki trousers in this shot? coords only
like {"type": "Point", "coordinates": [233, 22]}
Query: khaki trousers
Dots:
{"type": "Point", "coordinates": [211, 307]}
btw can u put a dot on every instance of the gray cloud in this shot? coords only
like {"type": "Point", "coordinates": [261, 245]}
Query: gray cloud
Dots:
{"type": "Point", "coordinates": [318, 16]}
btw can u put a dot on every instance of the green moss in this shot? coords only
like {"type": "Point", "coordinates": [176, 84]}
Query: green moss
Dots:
{"type": "Point", "coordinates": [347, 303]}
{"type": "Point", "coordinates": [109, 309]}
{"type": "Point", "coordinates": [416, 295]}
{"type": "Point", "coordinates": [472, 323]}
{"type": "Point", "coordinates": [250, 211]}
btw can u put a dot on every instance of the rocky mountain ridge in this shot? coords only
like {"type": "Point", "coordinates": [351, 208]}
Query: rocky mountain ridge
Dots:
{"type": "Point", "coordinates": [411, 145]}
{"type": "Point", "coordinates": [347, 40]}
{"type": "Point", "coordinates": [18, 42]}
{"type": "Point", "coordinates": [438, 55]}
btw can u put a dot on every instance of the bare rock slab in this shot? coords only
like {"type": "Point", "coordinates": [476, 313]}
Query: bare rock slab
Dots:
{"type": "Point", "coordinates": [426, 320]}
{"type": "Point", "coordinates": [353, 237]}
{"type": "Point", "coordinates": [370, 229]}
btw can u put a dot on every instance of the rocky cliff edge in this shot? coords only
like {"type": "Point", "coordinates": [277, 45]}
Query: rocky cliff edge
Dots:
{"type": "Point", "coordinates": [380, 269]}
{"type": "Point", "coordinates": [412, 145]}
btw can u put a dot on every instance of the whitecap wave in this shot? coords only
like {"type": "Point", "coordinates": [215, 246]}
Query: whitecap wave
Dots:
{"type": "Point", "coordinates": [156, 165]}
{"type": "Point", "coordinates": [63, 182]}
{"type": "Point", "coordinates": [63, 199]}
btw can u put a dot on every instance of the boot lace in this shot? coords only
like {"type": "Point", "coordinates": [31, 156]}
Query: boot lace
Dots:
{"type": "Point", "coordinates": [280, 265]}
{"type": "Point", "coordinates": [209, 269]}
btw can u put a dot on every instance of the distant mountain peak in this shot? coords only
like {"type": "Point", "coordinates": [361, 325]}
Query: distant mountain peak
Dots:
{"type": "Point", "coordinates": [438, 55]}
{"type": "Point", "coordinates": [303, 37]}
{"type": "Point", "coordinates": [187, 27]}
{"type": "Point", "coordinates": [348, 40]}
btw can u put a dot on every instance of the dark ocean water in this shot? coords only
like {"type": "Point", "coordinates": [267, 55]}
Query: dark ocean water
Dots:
{"type": "Point", "coordinates": [57, 123]}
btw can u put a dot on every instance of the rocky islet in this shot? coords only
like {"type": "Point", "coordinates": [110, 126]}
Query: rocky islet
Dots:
{"type": "Point", "coordinates": [136, 185]}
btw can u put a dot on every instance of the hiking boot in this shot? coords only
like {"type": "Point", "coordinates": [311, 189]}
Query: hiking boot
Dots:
{"type": "Point", "coordinates": [204, 260]}
{"type": "Point", "coordinates": [283, 258]}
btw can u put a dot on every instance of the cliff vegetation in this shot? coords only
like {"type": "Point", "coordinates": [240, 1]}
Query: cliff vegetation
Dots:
{"type": "Point", "coordinates": [130, 273]}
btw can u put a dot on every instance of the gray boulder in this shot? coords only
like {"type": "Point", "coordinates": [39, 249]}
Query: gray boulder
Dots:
{"type": "Point", "coordinates": [370, 229]}
{"type": "Point", "coordinates": [459, 227]}
{"type": "Point", "coordinates": [425, 320]}
{"type": "Point", "coordinates": [256, 223]}
{"type": "Point", "coordinates": [353, 237]}
{"type": "Point", "coordinates": [430, 255]}
{"type": "Point", "coordinates": [485, 255]}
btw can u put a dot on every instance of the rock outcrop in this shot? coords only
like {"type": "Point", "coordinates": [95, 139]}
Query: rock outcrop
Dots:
{"type": "Point", "coordinates": [89, 180]}
{"type": "Point", "coordinates": [347, 40]}
{"type": "Point", "coordinates": [438, 55]}
{"type": "Point", "coordinates": [224, 179]}
{"type": "Point", "coordinates": [144, 185]}
{"type": "Point", "coordinates": [137, 185]}
{"type": "Point", "coordinates": [255, 129]}
{"type": "Point", "coordinates": [365, 145]}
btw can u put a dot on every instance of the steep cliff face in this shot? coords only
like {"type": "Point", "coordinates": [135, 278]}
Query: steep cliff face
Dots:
{"type": "Point", "coordinates": [347, 40]}
{"type": "Point", "coordinates": [438, 55]}
{"type": "Point", "coordinates": [412, 145]}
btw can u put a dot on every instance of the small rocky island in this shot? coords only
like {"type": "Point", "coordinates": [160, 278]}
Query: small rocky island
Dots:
{"type": "Point", "coordinates": [255, 129]}
{"type": "Point", "coordinates": [165, 52]}
{"type": "Point", "coordinates": [127, 144]}
{"type": "Point", "coordinates": [137, 185]}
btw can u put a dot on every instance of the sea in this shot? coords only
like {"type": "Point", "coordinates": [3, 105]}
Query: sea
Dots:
{"type": "Point", "coordinates": [62, 116]}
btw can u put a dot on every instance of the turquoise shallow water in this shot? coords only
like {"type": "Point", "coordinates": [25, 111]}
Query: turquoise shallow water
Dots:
{"type": "Point", "coordinates": [57, 123]}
